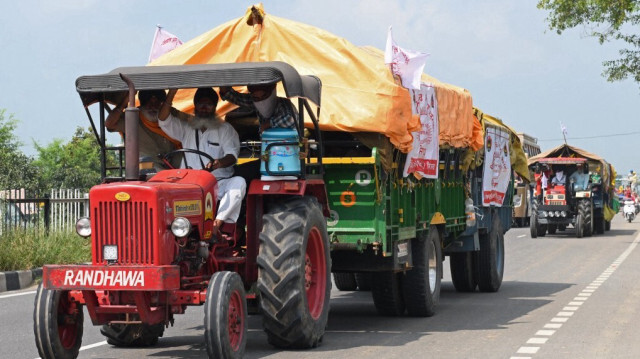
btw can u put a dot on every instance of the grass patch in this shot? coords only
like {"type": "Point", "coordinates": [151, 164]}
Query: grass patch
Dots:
{"type": "Point", "coordinates": [26, 249]}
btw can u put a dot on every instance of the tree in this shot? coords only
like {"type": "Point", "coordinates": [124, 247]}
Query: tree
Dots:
{"type": "Point", "coordinates": [75, 164]}
{"type": "Point", "coordinates": [605, 20]}
{"type": "Point", "coordinates": [16, 170]}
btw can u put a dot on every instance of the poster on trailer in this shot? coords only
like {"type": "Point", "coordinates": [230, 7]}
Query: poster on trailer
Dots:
{"type": "Point", "coordinates": [422, 160]}
{"type": "Point", "coordinates": [497, 167]}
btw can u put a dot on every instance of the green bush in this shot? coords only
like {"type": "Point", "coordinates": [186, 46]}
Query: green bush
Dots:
{"type": "Point", "coordinates": [26, 249]}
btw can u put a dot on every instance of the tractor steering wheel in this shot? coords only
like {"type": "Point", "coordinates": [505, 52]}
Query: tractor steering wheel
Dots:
{"type": "Point", "coordinates": [169, 155]}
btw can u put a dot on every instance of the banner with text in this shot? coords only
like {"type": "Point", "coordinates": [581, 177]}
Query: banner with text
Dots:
{"type": "Point", "coordinates": [406, 64]}
{"type": "Point", "coordinates": [422, 160]}
{"type": "Point", "coordinates": [497, 167]}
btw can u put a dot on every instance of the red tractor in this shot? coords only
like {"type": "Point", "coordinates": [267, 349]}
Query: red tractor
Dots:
{"type": "Point", "coordinates": [153, 251]}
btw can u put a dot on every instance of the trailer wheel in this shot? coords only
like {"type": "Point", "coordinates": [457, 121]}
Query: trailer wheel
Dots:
{"type": "Point", "coordinates": [225, 316]}
{"type": "Point", "coordinates": [421, 284]}
{"type": "Point", "coordinates": [386, 290]}
{"type": "Point", "coordinates": [57, 324]}
{"type": "Point", "coordinates": [345, 281]}
{"type": "Point", "coordinates": [364, 280]}
{"type": "Point", "coordinates": [598, 225]}
{"type": "Point", "coordinates": [132, 335]}
{"type": "Point", "coordinates": [463, 271]}
{"type": "Point", "coordinates": [491, 258]}
{"type": "Point", "coordinates": [294, 273]}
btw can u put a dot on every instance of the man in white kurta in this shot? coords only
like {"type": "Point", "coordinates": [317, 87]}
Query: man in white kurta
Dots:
{"type": "Point", "coordinates": [208, 133]}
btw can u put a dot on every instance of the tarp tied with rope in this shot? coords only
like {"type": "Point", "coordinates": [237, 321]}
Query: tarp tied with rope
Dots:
{"type": "Point", "coordinates": [359, 92]}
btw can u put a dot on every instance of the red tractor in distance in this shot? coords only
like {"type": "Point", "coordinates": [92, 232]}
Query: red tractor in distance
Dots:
{"type": "Point", "coordinates": [153, 251]}
{"type": "Point", "coordinates": [560, 204]}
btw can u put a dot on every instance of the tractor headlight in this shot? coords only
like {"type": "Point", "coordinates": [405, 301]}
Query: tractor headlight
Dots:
{"type": "Point", "coordinates": [544, 213]}
{"type": "Point", "coordinates": [557, 213]}
{"type": "Point", "coordinates": [180, 227]}
{"type": "Point", "coordinates": [550, 213]}
{"type": "Point", "coordinates": [563, 214]}
{"type": "Point", "coordinates": [83, 227]}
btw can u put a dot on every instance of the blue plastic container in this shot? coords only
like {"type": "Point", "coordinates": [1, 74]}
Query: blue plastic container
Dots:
{"type": "Point", "coordinates": [281, 152]}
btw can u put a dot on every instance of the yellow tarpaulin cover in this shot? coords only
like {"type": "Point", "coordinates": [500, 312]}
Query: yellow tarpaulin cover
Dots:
{"type": "Point", "coordinates": [359, 93]}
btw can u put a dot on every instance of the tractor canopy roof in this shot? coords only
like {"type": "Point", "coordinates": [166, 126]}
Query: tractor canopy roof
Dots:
{"type": "Point", "coordinates": [563, 160]}
{"type": "Point", "coordinates": [112, 88]}
{"type": "Point", "coordinates": [565, 151]}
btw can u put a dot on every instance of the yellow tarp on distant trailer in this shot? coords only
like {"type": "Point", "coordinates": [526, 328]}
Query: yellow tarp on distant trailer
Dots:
{"type": "Point", "coordinates": [359, 93]}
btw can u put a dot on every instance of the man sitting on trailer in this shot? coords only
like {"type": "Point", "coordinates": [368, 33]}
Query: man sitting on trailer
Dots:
{"type": "Point", "coordinates": [273, 111]}
{"type": "Point", "coordinates": [208, 133]}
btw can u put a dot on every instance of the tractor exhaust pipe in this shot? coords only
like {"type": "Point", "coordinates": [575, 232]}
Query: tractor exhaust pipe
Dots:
{"type": "Point", "coordinates": [131, 120]}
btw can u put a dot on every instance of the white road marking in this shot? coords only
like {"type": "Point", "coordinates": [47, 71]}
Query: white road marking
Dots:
{"type": "Point", "coordinates": [568, 311]}
{"type": "Point", "coordinates": [16, 294]}
{"type": "Point", "coordinates": [564, 314]}
{"type": "Point", "coordinates": [545, 332]}
{"type": "Point", "coordinates": [522, 235]}
{"type": "Point", "coordinates": [528, 350]}
{"type": "Point", "coordinates": [537, 340]}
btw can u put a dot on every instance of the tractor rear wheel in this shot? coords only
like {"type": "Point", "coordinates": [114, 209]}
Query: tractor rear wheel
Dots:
{"type": "Point", "coordinates": [345, 281]}
{"type": "Point", "coordinates": [386, 290]}
{"type": "Point", "coordinates": [421, 284]}
{"type": "Point", "coordinates": [463, 271]}
{"type": "Point", "coordinates": [599, 224]}
{"type": "Point", "coordinates": [586, 210]}
{"type": "Point", "coordinates": [294, 273]}
{"type": "Point", "coordinates": [57, 324]}
{"type": "Point", "coordinates": [490, 258]}
{"type": "Point", "coordinates": [132, 335]}
{"type": "Point", "coordinates": [225, 316]}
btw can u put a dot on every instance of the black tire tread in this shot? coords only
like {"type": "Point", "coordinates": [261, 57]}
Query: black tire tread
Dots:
{"type": "Point", "coordinates": [420, 299]}
{"type": "Point", "coordinates": [286, 318]}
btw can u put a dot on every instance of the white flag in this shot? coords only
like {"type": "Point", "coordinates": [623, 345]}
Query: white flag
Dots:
{"type": "Point", "coordinates": [406, 64]}
{"type": "Point", "coordinates": [163, 42]}
{"type": "Point", "coordinates": [563, 128]}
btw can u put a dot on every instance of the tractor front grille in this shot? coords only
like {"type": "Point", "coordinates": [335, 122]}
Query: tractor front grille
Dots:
{"type": "Point", "coordinates": [129, 225]}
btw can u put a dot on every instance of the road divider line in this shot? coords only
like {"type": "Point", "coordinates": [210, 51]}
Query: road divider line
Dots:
{"type": "Point", "coordinates": [568, 311]}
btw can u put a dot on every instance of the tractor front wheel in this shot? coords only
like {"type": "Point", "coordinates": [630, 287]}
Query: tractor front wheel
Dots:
{"type": "Point", "coordinates": [225, 316]}
{"type": "Point", "coordinates": [57, 324]}
{"type": "Point", "coordinates": [294, 273]}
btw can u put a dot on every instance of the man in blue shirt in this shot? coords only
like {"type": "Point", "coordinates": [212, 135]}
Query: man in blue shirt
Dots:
{"type": "Point", "coordinates": [580, 178]}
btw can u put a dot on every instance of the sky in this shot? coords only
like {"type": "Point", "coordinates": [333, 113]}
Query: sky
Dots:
{"type": "Point", "coordinates": [500, 50]}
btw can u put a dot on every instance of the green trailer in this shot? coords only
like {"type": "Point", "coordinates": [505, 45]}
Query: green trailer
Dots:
{"type": "Point", "coordinates": [392, 233]}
